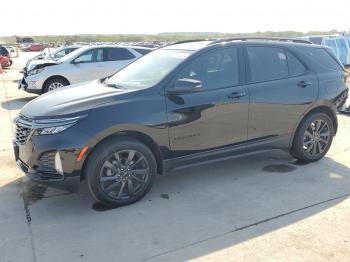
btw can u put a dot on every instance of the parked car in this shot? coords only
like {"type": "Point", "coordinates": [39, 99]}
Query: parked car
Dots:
{"type": "Point", "coordinates": [6, 61]}
{"type": "Point", "coordinates": [55, 55]}
{"type": "Point", "coordinates": [34, 48]}
{"type": "Point", "coordinates": [84, 64]}
{"type": "Point", "coordinates": [10, 48]}
{"type": "Point", "coordinates": [182, 105]}
{"type": "Point", "coordinates": [338, 44]}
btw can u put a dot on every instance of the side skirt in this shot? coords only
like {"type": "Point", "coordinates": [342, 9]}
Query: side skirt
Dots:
{"type": "Point", "coordinates": [250, 147]}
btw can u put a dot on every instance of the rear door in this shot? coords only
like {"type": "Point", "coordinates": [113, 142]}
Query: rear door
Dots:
{"type": "Point", "coordinates": [88, 66]}
{"type": "Point", "coordinates": [116, 58]}
{"type": "Point", "coordinates": [281, 89]}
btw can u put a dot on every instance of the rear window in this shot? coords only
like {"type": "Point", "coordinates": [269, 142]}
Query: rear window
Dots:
{"type": "Point", "coordinates": [142, 51]}
{"type": "Point", "coordinates": [322, 58]}
{"type": "Point", "coordinates": [267, 63]}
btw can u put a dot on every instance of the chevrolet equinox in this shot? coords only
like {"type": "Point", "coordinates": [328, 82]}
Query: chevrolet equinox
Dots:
{"type": "Point", "coordinates": [184, 104]}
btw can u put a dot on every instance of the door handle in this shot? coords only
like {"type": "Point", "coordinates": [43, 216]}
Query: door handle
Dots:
{"type": "Point", "coordinates": [304, 83]}
{"type": "Point", "coordinates": [237, 95]}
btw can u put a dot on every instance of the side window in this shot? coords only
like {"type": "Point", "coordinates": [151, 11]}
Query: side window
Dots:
{"type": "Point", "coordinates": [91, 56]}
{"type": "Point", "coordinates": [99, 55]}
{"type": "Point", "coordinates": [295, 66]}
{"type": "Point", "coordinates": [142, 51]}
{"type": "Point", "coordinates": [69, 50]}
{"type": "Point", "coordinates": [60, 54]}
{"type": "Point", "coordinates": [116, 54]}
{"type": "Point", "coordinates": [267, 63]}
{"type": "Point", "coordinates": [215, 69]}
{"type": "Point", "coordinates": [87, 57]}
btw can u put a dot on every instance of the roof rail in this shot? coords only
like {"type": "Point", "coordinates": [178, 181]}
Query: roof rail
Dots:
{"type": "Point", "coordinates": [188, 41]}
{"type": "Point", "coordinates": [294, 40]}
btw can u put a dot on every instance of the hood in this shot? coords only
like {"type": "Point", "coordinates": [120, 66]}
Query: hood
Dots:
{"type": "Point", "coordinates": [74, 99]}
{"type": "Point", "coordinates": [41, 63]}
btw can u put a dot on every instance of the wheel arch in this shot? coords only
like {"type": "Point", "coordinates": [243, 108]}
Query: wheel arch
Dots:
{"type": "Point", "coordinates": [141, 137]}
{"type": "Point", "coordinates": [53, 77]}
{"type": "Point", "coordinates": [319, 109]}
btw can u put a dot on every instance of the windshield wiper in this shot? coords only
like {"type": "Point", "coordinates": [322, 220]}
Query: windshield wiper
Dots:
{"type": "Point", "coordinates": [112, 85]}
{"type": "Point", "coordinates": [115, 86]}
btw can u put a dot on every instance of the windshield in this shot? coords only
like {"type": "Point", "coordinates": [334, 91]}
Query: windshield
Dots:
{"type": "Point", "coordinates": [148, 70]}
{"type": "Point", "coordinates": [73, 54]}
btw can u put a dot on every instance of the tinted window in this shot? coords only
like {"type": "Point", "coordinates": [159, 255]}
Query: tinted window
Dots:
{"type": "Point", "coordinates": [294, 64]}
{"type": "Point", "coordinates": [214, 69]}
{"type": "Point", "coordinates": [267, 63]}
{"type": "Point", "coordinates": [321, 57]}
{"type": "Point", "coordinates": [115, 54]}
{"type": "Point", "coordinates": [142, 51]}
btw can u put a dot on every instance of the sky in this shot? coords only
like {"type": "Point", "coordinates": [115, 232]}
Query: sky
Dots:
{"type": "Point", "coordinates": [48, 17]}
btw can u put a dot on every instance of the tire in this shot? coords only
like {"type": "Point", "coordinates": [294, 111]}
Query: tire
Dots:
{"type": "Point", "coordinates": [313, 138]}
{"type": "Point", "coordinates": [49, 85]}
{"type": "Point", "coordinates": [108, 178]}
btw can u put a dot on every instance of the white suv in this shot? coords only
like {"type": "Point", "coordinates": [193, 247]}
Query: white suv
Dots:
{"type": "Point", "coordinates": [84, 64]}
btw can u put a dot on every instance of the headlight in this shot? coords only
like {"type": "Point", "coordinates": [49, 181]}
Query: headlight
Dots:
{"type": "Point", "coordinates": [35, 71]}
{"type": "Point", "coordinates": [54, 125]}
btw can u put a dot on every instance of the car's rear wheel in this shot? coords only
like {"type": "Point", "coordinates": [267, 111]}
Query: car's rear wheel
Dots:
{"type": "Point", "coordinates": [313, 138]}
{"type": "Point", "coordinates": [120, 171]}
{"type": "Point", "coordinates": [54, 83]}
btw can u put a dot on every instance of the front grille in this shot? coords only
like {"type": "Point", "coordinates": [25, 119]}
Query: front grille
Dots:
{"type": "Point", "coordinates": [22, 134]}
{"type": "Point", "coordinates": [47, 160]}
{"type": "Point", "coordinates": [23, 129]}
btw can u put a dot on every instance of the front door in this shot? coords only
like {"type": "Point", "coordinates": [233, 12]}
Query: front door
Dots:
{"type": "Point", "coordinates": [88, 66]}
{"type": "Point", "coordinates": [217, 115]}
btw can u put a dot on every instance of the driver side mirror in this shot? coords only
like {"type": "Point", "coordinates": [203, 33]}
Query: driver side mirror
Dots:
{"type": "Point", "coordinates": [185, 85]}
{"type": "Point", "coordinates": [77, 61]}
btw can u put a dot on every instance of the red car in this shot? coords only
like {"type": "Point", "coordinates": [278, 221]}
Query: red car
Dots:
{"type": "Point", "coordinates": [5, 61]}
{"type": "Point", "coordinates": [35, 48]}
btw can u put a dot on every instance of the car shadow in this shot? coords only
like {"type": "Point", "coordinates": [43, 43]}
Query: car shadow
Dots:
{"type": "Point", "coordinates": [17, 103]}
{"type": "Point", "coordinates": [189, 213]}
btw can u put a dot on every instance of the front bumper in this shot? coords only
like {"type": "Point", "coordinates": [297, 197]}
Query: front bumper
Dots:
{"type": "Point", "coordinates": [52, 159]}
{"type": "Point", "coordinates": [30, 84]}
{"type": "Point", "coordinates": [71, 183]}
{"type": "Point", "coordinates": [35, 162]}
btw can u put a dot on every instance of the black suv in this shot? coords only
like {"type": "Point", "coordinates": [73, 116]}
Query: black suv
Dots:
{"type": "Point", "coordinates": [183, 104]}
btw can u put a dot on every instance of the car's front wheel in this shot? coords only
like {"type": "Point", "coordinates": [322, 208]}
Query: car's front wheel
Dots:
{"type": "Point", "coordinates": [313, 138]}
{"type": "Point", "coordinates": [54, 83]}
{"type": "Point", "coordinates": [120, 171]}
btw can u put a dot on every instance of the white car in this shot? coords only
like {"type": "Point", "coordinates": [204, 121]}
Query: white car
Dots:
{"type": "Point", "coordinates": [84, 64]}
{"type": "Point", "coordinates": [54, 55]}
